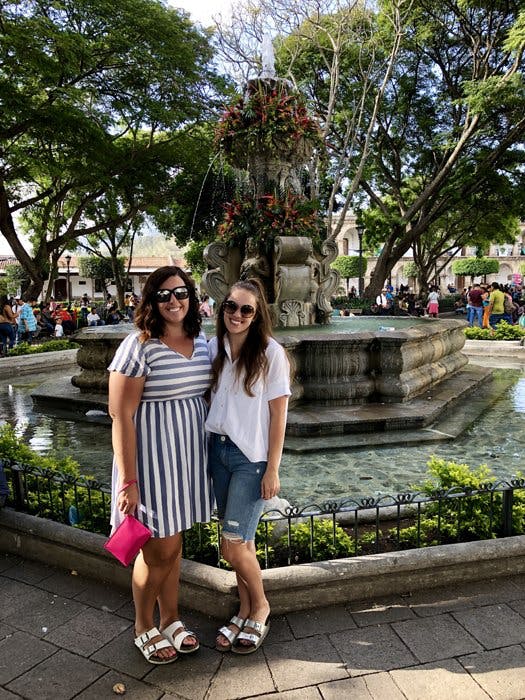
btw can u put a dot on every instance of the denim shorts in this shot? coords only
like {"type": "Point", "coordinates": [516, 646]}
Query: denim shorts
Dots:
{"type": "Point", "coordinates": [237, 487]}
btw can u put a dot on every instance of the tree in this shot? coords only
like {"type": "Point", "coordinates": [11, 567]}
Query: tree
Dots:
{"type": "Point", "coordinates": [420, 102]}
{"type": "Point", "coordinates": [350, 266]}
{"type": "Point", "coordinates": [475, 267]}
{"type": "Point", "coordinates": [100, 103]}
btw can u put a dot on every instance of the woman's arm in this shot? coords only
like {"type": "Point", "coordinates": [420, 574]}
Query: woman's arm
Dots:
{"type": "Point", "coordinates": [125, 394]}
{"type": "Point", "coordinates": [270, 484]}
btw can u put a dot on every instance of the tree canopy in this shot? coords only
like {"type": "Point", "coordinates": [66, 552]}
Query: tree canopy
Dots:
{"type": "Point", "coordinates": [100, 104]}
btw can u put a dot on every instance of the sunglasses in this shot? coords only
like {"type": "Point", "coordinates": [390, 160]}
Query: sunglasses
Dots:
{"type": "Point", "coordinates": [230, 307]}
{"type": "Point", "coordinates": [164, 295]}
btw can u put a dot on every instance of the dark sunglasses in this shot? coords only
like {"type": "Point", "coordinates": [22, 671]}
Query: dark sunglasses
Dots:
{"type": "Point", "coordinates": [230, 307]}
{"type": "Point", "coordinates": [164, 295]}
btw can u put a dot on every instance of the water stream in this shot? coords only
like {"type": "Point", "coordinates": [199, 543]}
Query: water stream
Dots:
{"type": "Point", "coordinates": [496, 439]}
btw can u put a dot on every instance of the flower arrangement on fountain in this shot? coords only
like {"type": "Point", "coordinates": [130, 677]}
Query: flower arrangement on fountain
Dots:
{"type": "Point", "coordinates": [263, 218]}
{"type": "Point", "coordinates": [268, 119]}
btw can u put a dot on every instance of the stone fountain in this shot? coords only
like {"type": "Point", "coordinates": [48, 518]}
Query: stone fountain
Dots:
{"type": "Point", "coordinates": [379, 379]}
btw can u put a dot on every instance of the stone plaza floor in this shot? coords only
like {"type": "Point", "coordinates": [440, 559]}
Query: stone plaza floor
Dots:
{"type": "Point", "coordinates": [63, 636]}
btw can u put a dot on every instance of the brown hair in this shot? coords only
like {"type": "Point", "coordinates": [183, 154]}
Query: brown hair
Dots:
{"type": "Point", "coordinates": [147, 315]}
{"type": "Point", "coordinates": [252, 359]}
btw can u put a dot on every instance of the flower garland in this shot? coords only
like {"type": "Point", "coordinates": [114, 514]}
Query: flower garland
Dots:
{"type": "Point", "coordinates": [268, 119]}
{"type": "Point", "coordinates": [268, 216]}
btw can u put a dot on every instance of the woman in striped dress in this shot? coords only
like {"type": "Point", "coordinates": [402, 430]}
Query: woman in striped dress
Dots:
{"type": "Point", "coordinates": [157, 382]}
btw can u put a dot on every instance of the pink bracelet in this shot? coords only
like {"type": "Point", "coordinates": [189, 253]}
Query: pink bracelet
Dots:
{"type": "Point", "coordinates": [127, 485]}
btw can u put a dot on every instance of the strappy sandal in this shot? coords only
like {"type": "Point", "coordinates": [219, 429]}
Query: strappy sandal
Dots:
{"type": "Point", "coordinates": [261, 630]}
{"type": "Point", "coordinates": [177, 640]}
{"type": "Point", "coordinates": [149, 651]}
{"type": "Point", "coordinates": [229, 634]}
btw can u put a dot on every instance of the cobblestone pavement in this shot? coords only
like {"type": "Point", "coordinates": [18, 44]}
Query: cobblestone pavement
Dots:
{"type": "Point", "coordinates": [64, 636]}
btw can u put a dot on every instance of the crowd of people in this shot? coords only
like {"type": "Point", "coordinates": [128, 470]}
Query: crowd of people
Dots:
{"type": "Point", "coordinates": [486, 305]}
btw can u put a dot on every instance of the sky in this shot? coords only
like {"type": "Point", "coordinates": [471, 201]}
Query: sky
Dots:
{"type": "Point", "coordinates": [201, 11]}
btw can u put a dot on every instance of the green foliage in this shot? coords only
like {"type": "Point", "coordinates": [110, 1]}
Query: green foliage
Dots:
{"type": "Point", "coordinates": [475, 267]}
{"type": "Point", "coordinates": [503, 331]}
{"type": "Point", "coordinates": [461, 519]}
{"type": "Point", "coordinates": [330, 541]}
{"type": "Point", "coordinates": [410, 269]}
{"type": "Point", "coordinates": [348, 265]}
{"type": "Point", "coordinates": [25, 348]}
{"type": "Point", "coordinates": [15, 276]}
{"type": "Point", "coordinates": [96, 111]}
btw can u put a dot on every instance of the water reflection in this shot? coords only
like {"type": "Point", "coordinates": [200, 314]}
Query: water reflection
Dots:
{"type": "Point", "coordinates": [496, 439]}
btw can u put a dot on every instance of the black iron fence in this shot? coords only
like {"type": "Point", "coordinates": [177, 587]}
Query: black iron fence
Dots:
{"type": "Point", "coordinates": [294, 535]}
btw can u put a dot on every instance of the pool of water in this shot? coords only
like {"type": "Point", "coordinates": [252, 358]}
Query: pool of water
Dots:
{"type": "Point", "coordinates": [496, 439]}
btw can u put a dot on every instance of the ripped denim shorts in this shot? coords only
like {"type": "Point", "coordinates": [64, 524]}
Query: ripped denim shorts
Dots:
{"type": "Point", "coordinates": [237, 487]}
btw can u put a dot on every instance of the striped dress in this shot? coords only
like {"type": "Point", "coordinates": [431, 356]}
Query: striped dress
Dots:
{"type": "Point", "coordinates": [172, 470]}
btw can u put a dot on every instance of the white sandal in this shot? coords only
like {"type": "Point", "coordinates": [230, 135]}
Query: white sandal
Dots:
{"type": "Point", "coordinates": [229, 634]}
{"type": "Point", "coordinates": [177, 640]}
{"type": "Point", "coordinates": [261, 629]}
{"type": "Point", "coordinates": [150, 650]}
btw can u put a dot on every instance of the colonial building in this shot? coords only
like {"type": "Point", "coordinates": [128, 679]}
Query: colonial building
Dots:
{"type": "Point", "coordinates": [511, 258]}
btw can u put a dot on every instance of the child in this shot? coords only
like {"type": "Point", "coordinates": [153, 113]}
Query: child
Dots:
{"type": "Point", "coordinates": [59, 328]}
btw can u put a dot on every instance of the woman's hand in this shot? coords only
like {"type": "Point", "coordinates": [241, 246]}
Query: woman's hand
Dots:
{"type": "Point", "coordinates": [128, 499]}
{"type": "Point", "coordinates": [270, 485]}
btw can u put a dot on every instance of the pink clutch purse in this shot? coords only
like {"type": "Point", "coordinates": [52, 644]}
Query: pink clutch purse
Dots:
{"type": "Point", "coordinates": [128, 538]}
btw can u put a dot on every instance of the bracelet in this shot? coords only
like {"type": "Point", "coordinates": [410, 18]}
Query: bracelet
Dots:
{"type": "Point", "coordinates": [127, 485]}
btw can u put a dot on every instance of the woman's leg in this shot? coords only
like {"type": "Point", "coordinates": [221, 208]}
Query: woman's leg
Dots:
{"type": "Point", "coordinates": [168, 598]}
{"type": "Point", "coordinates": [152, 566]}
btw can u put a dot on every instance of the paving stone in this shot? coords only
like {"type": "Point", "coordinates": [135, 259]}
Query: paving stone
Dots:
{"type": "Point", "coordinates": [304, 662]}
{"type": "Point", "coordinates": [434, 601]}
{"type": "Point", "coordinates": [311, 693]}
{"type": "Point", "coordinates": [16, 596]}
{"type": "Point", "coordinates": [60, 677]}
{"type": "Point", "coordinates": [189, 677]}
{"type": "Point", "coordinates": [6, 630]}
{"type": "Point", "coordinates": [493, 625]}
{"type": "Point", "coordinates": [122, 655]}
{"type": "Point", "coordinates": [500, 672]}
{"type": "Point", "coordinates": [239, 676]}
{"type": "Point", "coordinates": [135, 690]}
{"type": "Point", "coordinates": [439, 680]}
{"type": "Point", "coordinates": [64, 583]}
{"type": "Point", "coordinates": [366, 612]}
{"type": "Point", "coordinates": [45, 614]}
{"type": "Point", "coordinates": [7, 695]}
{"type": "Point", "coordinates": [19, 652]}
{"type": "Point", "coordinates": [369, 649]}
{"type": "Point", "coordinates": [127, 610]}
{"type": "Point", "coordinates": [8, 560]}
{"type": "Point", "coordinates": [436, 638]}
{"type": "Point", "coordinates": [375, 686]}
{"type": "Point", "coordinates": [518, 581]}
{"type": "Point", "coordinates": [88, 631]}
{"type": "Point", "coordinates": [30, 571]}
{"type": "Point", "coordinates": [518, 606]}
{"type": "Point", "coordinates": [308, 623]}
{"type": "Point", "coordinates": [104, 596]}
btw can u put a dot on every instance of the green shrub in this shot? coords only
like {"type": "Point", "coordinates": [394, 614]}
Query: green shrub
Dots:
{"type": "Point", "coordinates": [330, 541]}
{"type": "Point", "coordinates": [25, 348]}
{"type": "Point", "coordinates": [503, 331]}
{"type": "Point", "coordinates": [463, 518]}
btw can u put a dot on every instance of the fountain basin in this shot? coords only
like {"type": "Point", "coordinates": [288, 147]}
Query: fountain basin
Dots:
{"type": "Point", "coordinates": [338, 370]}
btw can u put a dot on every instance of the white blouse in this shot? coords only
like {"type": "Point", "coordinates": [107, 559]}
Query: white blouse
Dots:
{"type": "Point", "coordinates": [246, 419]}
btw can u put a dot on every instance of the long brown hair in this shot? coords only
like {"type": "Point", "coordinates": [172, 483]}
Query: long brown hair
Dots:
{"type": "Point", "coordinates": [252, 358]}
{"type": "Point", "coordinates": [148, 318]}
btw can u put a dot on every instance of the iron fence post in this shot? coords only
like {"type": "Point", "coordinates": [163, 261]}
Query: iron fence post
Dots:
{"type": "Point", "coordinates": [508, 497]}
